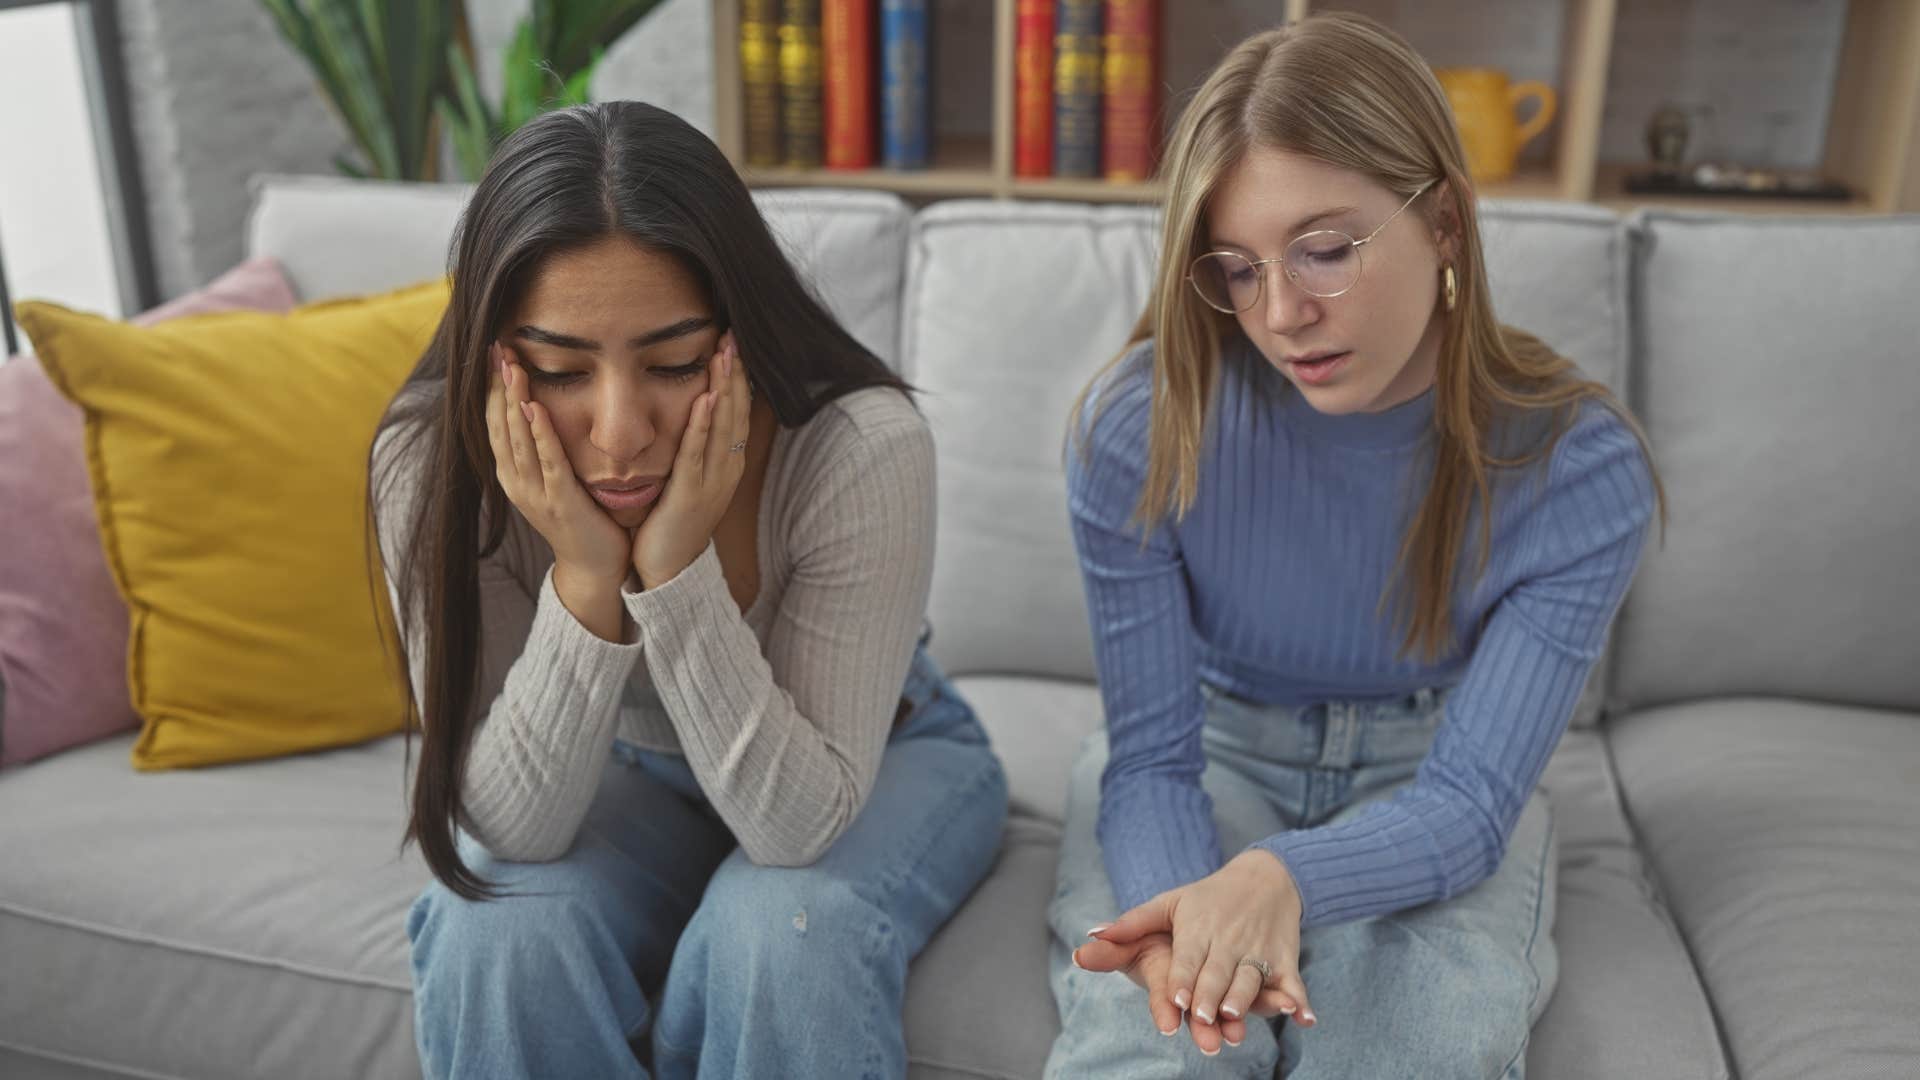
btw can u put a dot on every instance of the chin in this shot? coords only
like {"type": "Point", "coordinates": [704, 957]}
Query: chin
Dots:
{"type": "Point", "coordinates": [631, 519]}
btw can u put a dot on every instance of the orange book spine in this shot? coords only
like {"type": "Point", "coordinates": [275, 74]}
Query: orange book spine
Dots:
{"type": "Point", "coordinates": [1033, 89]}
{"type": "Point", "coordinates": [1131, 90]}
{"type": "Point", "coordinates": [847, 43]}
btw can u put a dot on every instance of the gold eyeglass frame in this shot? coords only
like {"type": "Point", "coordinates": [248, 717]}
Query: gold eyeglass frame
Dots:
{"type": "Point", "coordinates": [1258, 266]}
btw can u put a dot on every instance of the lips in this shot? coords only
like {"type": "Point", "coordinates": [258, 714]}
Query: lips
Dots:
{"type": "Point", "coordinates": [1317, 367]}
{"type": "Point", "coordinates": [630, 494]}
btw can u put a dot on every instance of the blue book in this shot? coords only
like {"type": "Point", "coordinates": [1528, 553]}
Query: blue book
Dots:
{"type": "Point", "coordinates": [1076, 89]}
{"type": "Point", "coordinates": [904, 77]}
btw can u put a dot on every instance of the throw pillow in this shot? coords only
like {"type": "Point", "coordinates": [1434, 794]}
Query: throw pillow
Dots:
{"type": "Point", "coordinates": [63, 628]}
{"type": "Point", "coordinates": [228, 458]}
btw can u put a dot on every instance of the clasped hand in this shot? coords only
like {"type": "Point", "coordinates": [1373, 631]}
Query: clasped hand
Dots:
{"type": "Point", "coordinates": [1185, 948]}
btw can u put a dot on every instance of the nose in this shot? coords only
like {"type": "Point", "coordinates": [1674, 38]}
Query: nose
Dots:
{"type": "Point", "coordinates": [623, 423]}
{"type": "Point", "coordinates": [1286, 309]}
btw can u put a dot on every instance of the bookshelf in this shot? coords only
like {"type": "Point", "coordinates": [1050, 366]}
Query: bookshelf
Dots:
{"type": "Point", "coordinates": [1871, 140]}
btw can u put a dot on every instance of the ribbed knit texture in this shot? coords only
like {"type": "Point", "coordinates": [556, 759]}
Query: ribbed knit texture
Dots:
{"type": "Point", "coordinates": [1270, 589]}
{"type": "Point", "coordinates": [782, 713]}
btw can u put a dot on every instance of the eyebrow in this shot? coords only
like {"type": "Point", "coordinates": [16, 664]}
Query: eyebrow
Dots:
{"type": "Point", "coordinates": [1295, 229]}
{"type": "Point", "coordinates": [539, 335]}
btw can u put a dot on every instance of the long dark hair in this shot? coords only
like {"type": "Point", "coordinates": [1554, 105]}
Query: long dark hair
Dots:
{"type": "Point", "coordinates": [561, 182]}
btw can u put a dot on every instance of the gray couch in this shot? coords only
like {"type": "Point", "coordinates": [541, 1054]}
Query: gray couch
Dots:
{"type": "Point", "coordinates": [1738, 804]}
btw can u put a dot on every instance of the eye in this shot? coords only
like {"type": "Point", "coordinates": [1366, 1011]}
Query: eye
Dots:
{"type": "Point", "coordinates": [681, 372]}
{"type": "Point", "coordinates": [1330, 255]}
{"type": "Point", "coordinates": [560, 379]}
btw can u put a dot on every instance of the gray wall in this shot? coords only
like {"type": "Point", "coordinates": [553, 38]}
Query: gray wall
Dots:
{"type": "Point", "coordinates": [217, 97]}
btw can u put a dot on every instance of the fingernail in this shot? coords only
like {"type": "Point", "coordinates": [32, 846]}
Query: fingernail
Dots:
{"type": "Point", "coordinates": [1230, 1042]}
{"type": "Point", "coordinates": [1287, 1009]}
{"type": "Point", "coordinates": [1098, 929]}
{"type": "Point", "coordinates": [1180, 998]}
{"type": "Point", "coordinates": [1076, 960]}
{"type": "Point", "coordinates": [1215, 1052]}
{"type": "Point", "coordinates": [1230, 1012]}
{"type": "Point", "coordinates": [1169, 1031]}
{"type": "Point", "coordinates": [526, 410]}
{"type": "Point", "coordinates": [1202, 1014]}
{"type": "Point", "coordinates": [1307, 1017]}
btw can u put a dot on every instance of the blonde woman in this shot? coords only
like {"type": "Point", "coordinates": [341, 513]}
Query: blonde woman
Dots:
{"type": "Point", "coordinates": [1351, 548]}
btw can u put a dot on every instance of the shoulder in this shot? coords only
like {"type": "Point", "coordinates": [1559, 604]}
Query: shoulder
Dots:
{"type": "Point", "coordinates": [1600, 486]}
{"type": "Point", "coordinates": [1107, 443]}
{"type": "Point", "coordinates": [860, 427]}
{"type": "Point", "coordinates": [871, 446]}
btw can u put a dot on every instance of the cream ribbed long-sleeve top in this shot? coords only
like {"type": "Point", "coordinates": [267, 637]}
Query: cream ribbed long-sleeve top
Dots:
{"type": "Point", "coordinates": [782, 711]}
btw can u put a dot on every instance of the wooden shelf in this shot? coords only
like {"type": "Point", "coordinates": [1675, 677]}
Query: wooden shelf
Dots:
{"type": "Point", "coordinates": [961, 166]}
{"type": "Point", "coordinates": [1872, 140]}
{"type": "Point", "coordinates": [1610, 191]}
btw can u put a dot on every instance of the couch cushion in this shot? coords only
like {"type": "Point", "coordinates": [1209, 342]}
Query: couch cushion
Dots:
{"type": "Point", "coordinates": [1623, 967]}
{"type": "Point", "coordinates": [1786, 838]}
{"type": "Point", "coordinates": [978, 1004]}
{"type": "Point", "coordinates": [338, 236]}
{"type": "Point", "coordinates": [1011, 307]}
{"type": "Point", "coordinates": [232, 922]}
{"type": "Point", "coordinates": [1779, 378]}
{"type": "Point", "coordinates": [1036, 726]}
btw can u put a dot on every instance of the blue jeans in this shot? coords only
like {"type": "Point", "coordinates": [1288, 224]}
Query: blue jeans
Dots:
{"type": "Point", "coordinates": [656, 943]}
{"type": "Point", "coordinates": [1446, 989]}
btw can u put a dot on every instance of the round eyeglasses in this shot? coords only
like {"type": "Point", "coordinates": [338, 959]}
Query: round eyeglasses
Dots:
{"type": "Point", "coordinates": [1323, 263]}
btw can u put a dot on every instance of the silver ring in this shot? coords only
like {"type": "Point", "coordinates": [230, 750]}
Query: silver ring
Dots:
{"type": "Point", "coordinates": [737, 447]}
{"type": "Point", "coordinates": [1258, 965]}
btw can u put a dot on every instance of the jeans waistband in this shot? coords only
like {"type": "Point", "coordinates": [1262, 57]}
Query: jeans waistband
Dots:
{"type": "Point", "coordinates": [1327, 734]}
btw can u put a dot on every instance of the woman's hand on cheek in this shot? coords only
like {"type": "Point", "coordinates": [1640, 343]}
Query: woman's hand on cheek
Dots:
{"type": "Point", "coordinates": [706, 471]}
{"type": "Point", "coordinates": [536, 476]}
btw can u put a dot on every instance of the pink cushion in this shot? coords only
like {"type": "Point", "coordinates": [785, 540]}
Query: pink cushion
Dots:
{"type": "Point", "coordinates": [63, 627]}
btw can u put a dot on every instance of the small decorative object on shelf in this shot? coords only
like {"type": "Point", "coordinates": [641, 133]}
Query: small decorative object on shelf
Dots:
{"type": "Point", "coordinates": [1712, 178]}
{"type": "Point", "coordinates": [1668, 131]}
{"type": "Point", "coordinates": [1667, 134]}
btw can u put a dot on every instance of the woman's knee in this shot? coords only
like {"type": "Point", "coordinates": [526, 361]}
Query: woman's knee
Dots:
{"type": "Point", "coordinates": [778, 915]}
{"type": "Point", "coordinates": [544, 921]}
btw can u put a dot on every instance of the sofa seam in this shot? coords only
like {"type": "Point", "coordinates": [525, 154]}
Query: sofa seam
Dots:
{"type": "Point", "coordinates": [1650, 872]}
{"type": "Point", "coordinates": [155, 941]}
{"type": "Point", "coordinates": [87, 1063]}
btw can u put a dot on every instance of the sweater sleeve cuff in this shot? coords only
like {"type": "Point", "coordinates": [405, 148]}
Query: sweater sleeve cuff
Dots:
{"type": "Point", "coordinates": [1322, 873]}
{"type": "Point", "coordinates": [592, 657]}
{"type": "Point", "coordinates": [1148, 853]}
{"type": "Point", "coordinates": [676, 602]}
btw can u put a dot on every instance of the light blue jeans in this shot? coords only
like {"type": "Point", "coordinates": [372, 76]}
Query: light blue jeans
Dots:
{"type": "Point", "coordinates": [1446, 989]}
{"type": "Point", "coordinates": [656, 944]}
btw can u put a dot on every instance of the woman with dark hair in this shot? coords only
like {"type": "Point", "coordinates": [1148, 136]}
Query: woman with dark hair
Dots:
{"type": "Point", "coordinates": [659, 534]}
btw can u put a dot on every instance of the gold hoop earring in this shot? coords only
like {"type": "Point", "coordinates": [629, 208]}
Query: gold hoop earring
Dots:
{"type": "Point", "coordinates": [1451, 286]}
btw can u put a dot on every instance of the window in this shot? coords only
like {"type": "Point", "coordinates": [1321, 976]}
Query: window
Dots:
{"type": "Point", "coordinates": [72, 220]}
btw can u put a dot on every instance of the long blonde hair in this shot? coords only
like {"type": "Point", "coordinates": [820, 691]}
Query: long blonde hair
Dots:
{"type": "Point", "coordinates": [1344, 90]}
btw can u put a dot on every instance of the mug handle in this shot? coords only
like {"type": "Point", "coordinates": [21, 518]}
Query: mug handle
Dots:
{"type": "Point", "coordinates": [1542, 116]}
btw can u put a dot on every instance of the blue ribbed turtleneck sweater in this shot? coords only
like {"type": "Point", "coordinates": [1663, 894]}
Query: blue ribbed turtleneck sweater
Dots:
{"type": "Point", "coordinates": [1270, 590]}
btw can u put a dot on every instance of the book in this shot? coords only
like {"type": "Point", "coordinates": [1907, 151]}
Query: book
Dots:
{"type": "Point", "coordinates": [846, 43]}
{"type": "Point", "coordinates": [760, 80]}
{"type": "Point", "coordinates": [1033, 88]}
{"type": "Point", "coordinates": [800, 83]}
{"type": "Point", "coordinates": [1130, 90]}
{"type": "Point", "coordinates": [1076, 88]}
{"type": "Point", "coordinates": [904, 116]}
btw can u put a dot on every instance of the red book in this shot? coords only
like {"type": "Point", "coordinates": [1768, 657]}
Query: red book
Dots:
{"type": "Point", "coordinates": [846, 40]}
{"type": "Point", "coordinates": [1131, 90]}
{"type": "Point", "coordinates": [1033, 89]}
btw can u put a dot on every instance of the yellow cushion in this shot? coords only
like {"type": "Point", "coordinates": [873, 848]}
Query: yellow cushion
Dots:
{"type": "Point", "coordinates": [228, 456]}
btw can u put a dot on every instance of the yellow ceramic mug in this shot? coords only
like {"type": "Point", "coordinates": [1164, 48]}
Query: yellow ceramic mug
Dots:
{"type": "Point", "coordinates": [1485, 107]}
